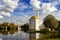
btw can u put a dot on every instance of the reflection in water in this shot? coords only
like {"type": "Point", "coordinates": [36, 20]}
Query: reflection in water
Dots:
{"type": "Point", "coordinates": [6, 31]}
{"type": "Point", "coordinates": [15, 35]}
{"type": "Point", "coordinates": [34, 36]}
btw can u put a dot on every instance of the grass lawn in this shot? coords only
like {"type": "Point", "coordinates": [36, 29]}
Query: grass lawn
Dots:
{"type": "Point", "coordinates": [50, 39]}
{"type": "Point", "coordinates": [54, 39]}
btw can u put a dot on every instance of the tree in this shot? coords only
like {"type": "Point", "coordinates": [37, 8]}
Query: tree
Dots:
{"type": "Point", "coordinates": [5, 24]}
{"type": "Point", "coordinates": [12, 26]}
{"type": "Point", "coordinates": [58, 25]}
{"type": "Point", "coordinates": [25, 27]}
{"type": "Point", "coordinates": [50, 22]}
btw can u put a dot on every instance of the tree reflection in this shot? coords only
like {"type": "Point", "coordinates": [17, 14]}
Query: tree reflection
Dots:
{"type": "Point", "coordinates": [8, 28]}
{"type": "Point", "coordinates": [7, 31]}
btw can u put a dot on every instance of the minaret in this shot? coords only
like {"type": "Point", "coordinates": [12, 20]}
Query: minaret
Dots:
{"type": "Point", "coordinates": [38, 14]}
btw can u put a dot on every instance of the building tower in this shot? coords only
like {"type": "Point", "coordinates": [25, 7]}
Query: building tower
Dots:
{"type": "Point", "coordinates": [34, 24]}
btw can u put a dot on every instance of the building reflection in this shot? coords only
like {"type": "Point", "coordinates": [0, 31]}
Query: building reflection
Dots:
{"type": "Point", "coordinates": [34, 36]}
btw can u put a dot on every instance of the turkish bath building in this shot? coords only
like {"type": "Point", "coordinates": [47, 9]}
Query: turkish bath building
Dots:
{"type": "Point", "coordinates": [35, 23]}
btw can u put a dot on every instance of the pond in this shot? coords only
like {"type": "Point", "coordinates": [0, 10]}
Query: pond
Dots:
{"type": "Point", "coordinates": [17, 35]}
{"type": "Point", "coordinates": [13, 35]}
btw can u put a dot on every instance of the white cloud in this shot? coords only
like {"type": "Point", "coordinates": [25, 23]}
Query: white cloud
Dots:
{"type": "Point", "coordinates": [7, 6]}
{"type": "Point", "coordinates": [23, 6]}
{"type": "Point", "coordinates": [35, 4]}
{"type": "Point", "coordinates": [56, 14]}
{"type": "Point", "coordinates": [48, 8]}
{"type": "Point", "coordinates": [1, 16]}
{"type": "Point", "coordinates": [5, 13]}
{"type": "Point", "coordinates": [22, 19]}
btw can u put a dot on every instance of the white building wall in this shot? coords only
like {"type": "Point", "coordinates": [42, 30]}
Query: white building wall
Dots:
{"type": "Point", "coordinates": [37, 24]}
{"type": "Point", "coordinates": [32, 24]}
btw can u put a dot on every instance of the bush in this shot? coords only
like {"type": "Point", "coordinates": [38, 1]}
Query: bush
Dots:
{"type": "Point", "coordinates": [44, 31]}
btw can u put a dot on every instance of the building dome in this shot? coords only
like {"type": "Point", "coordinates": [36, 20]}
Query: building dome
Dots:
{"type": "Point", "coordinates": [34, 17]}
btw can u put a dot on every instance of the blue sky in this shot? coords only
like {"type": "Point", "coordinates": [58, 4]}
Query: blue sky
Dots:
{"type": "Point", "coordinates": [19, 11]}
